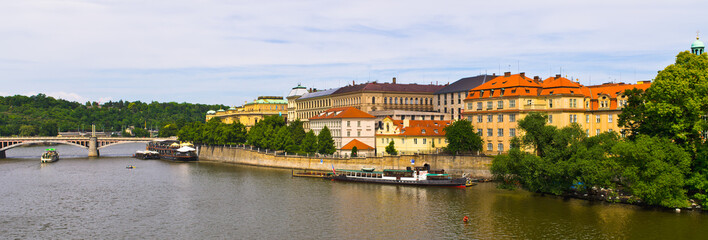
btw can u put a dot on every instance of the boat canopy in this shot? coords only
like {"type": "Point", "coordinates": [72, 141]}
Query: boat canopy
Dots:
{"type": "Point", "coordinates": [185, 149]}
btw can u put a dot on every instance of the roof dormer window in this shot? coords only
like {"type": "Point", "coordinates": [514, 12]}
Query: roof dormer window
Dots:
{"type": "Point", "coordinates": [423, 131]}
{"type": "Point", "coordinates": [435, 130]}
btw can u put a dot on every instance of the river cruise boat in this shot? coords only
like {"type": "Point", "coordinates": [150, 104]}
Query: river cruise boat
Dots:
{"type": "Point", "coordinates": [418, 176]}
{"type": "Point", "coordinates": [174, 150]}
{"type": "Point", "coordinates": [146, 154]}
{"type": "Point", "coordinates": [50, 155]}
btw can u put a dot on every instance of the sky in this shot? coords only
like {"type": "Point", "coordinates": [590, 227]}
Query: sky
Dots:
{"type": "Point", "coordinates": [230, 52]}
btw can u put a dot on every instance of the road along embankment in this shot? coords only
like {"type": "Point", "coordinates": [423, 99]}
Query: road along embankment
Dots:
{"type": "Point", "coordinates": [473, 166]}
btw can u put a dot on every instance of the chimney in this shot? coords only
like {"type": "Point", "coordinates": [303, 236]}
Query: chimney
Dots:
{"type": "Point", "coordinates": [558, 76]}
{"type": "Point", "coordinates": [522, 74]}
{"type": "Point", "coordinates": [507, 74]}
{"type": "Point", "coordinates": [394, 80]}
{"type": "Point", "coordinates": [494, 74]}
{"type": "Point", "coordinates": [352, 82]}
{"type": "Point", "coordinates": [536, 78]}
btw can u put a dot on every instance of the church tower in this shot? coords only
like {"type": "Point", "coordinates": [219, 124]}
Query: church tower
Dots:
{"type": "Point", "coordinates": [697, 47]}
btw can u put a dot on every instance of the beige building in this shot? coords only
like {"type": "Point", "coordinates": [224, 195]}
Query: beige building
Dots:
{"type": "Point", "coordinates": [251, 112]}
{"type": "Point", "coordinates": [368, 97]}
{"type": "Point", "coordinates": [346, 125]}
{"type": "Point", "coordinates": [495, 106]}
{"type": "Point", "coordinates": [449, 101]}
{"type": "Point", "coordinates": [411, 136]}
{"type": "Point", "coordinates": [294, 94]}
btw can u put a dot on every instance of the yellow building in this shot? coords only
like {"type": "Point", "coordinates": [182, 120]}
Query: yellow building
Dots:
{"type": "Point", "coordinates": [495, 106]}
{"type": "Point", "coordinates": [411, 136]}
{"type": "Point", "coordinates": [250, 113]}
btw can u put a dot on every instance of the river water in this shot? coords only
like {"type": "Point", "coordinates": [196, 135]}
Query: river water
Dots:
{"type": "Point", "coordinates": [82, 198]}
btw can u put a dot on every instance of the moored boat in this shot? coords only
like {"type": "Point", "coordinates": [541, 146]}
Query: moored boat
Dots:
{"type": "Point", "coordinates": [418, 176]}
{"type": "Point", "coordinates": [50, 155]}
{"type": "Point", "coordinates": [312, 174]}
{"type": "Point", "coordinates": [174, 150]}
{"type": "Point", "coordinates": [146, 154]}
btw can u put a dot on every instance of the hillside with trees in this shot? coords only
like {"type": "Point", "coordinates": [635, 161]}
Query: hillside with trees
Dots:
{"type": "Point", "coordinates": [42, 115]}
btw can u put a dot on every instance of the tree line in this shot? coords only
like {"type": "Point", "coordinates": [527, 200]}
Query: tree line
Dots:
{"type": "Point", "coordinates": [663, 161]}
{"type": "Point", "coordinates": [42, 115]}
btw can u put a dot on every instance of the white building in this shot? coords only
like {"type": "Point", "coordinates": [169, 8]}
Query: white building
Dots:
{"type": "Point", "coordinates": [346, 125]}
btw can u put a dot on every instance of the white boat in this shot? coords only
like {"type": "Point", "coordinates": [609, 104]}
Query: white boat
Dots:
{"type": "Point", "coordinates": [51, 155]}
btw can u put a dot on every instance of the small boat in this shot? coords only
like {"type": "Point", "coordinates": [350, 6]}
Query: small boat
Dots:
{"type": "Point", "coordinates": [312, 174]}
{"type": "Point", "coordinates": [130, 167]}
{"type": "Point", "coordinates": [419, 176]}
{"type": "Point", "coordinates": [50, 155]}
{"type": "Point", "coordinates": [470, 182]}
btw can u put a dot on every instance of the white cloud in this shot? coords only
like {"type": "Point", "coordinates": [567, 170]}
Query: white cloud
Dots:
{"type": "Point", "coordinates": [223, 51]}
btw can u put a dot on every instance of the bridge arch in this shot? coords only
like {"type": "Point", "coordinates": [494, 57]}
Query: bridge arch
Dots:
{"type": "Point", "coordinates": [42, 142]}
{"type": "Point", "coordinates": [121, 142]}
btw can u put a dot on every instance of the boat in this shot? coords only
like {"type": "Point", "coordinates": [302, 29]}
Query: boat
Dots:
{"type": "Point", "coordinates": [312, 174]}
{"type": "Point", "coordinates": [174, 150]}
{"type": "Point", "coordinates": [418, 176]}
{"type": "Point", "coordinates": [130, 167]}
{"type": "Point", "coordinates": [146, 154]}
{"type": "Point", "coordinates": [50, 155]}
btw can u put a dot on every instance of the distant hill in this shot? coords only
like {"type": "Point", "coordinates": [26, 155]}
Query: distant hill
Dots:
{"type": "Point", "coordinates": [40, 115]}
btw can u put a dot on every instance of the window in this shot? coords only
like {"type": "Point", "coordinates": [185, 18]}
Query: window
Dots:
{"type": "Point", "coordinates": [500, 147]}
{"type": "Point", "coordinates": [587, 132]}
{"type": "Point", "coordinates": [489, 118]}
{"type": "Point", "coordinates": [609, 130]}
{"type": "Point", "coordinates": [573, 118]}
{"type": "Point", "coordinates": [403, 141]}
{"type": "Point", "coordinates": [587, 118]}
{"type": "Point", "coordinates": [479, 118]}
{"type": "Point", "coordinates": [550, 103]}
{"type": "Point", "coordinates": [445, 109]}
{"type": "Point", "coordinates": [349, 133]}
{"type": "Point", "coordinates": [512, 103]}
{"type": "Point", "coordinates": [597, 118]}
{"type": "Point", "coordinates": [385, 101]}
{"type": "Point", "coordinates": [479, 106]}
{"type": "Point", "coordinates": [358, 123]}
{"type": "Point", "coordinates": [597, 132]}
{"type": "Point", "coordinates": [373, 100]}
{"type": "Point", "coordinates": [500, 132]}
{"type": "Point", "coordinates": [512, 117]}
{"type": "Point", "coordinates": [500, 118]}
{"type": "Point", "coordinates": [358, 133]}
{"type": "Point", "coordinates": [529, 102]}
{"type": "Point", "coordinates": [587, 104]}
{"type": "Point", "coordinates": [489, 132]}
{"type": "Point", "coordinates": [609, 118]}
{"type": "Point", "coordinates": [550, 118]}
{"type": "Point", "coordinates": [349, 124]}
{"type": "Point", "coordinates": [512, 132]}
{"type": "Point", "coordinates": [480, 132]}
{"type": "Point", "coordinates": [490, 105]}
{"type": "Point", "coordinates": [415, 141]}
{"type": "Point", "coordinates": [469, 106]}
{"type": "Point", "coordinates": [424, 140]}
{"type": "Point", "coordinates": [500, 104]}
{"type": "Point", "coordinates": [489, 147]}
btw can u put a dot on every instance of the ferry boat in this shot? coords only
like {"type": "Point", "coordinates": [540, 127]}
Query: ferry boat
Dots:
{"type": "Point", "coordinates": [147, 154]}
{"type": "Point", "coordinates": [419, 176]}
{"type": "Point", "coordinates": [174, 150]}
{"type": "Point", "coordinates": [51, 155]}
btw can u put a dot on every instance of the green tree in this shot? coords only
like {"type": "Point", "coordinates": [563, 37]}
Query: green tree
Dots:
{"type": "Point", "coordinates": [391, 149]}
{"type": "Point", "coordinates": [462, 138]}
{"type": "Point", "coordinates": [538, 135]}
{"type": "Point", "coordinates": [325, 143]}
{"type": "Point", "coordinates": [354, 151]}
{"type": "Point", "coordinates": [169, 130]}
{"type": "Point", "coordinates": [141, 132]}
{"type": "Point", "coordinates": [28, 130]}
{"type": "Point", "coordinates": [309, 143]}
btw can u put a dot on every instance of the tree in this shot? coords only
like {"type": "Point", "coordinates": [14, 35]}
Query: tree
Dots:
{"type": "Point", "coordinates": [28, 130]}
{"type": "Point", "coordinates": [141, 132]}
{"type": "Point", "coordinates": [325, 143]}
{"type": "Point", "coordinates": [309, 143]}
{"type": "Point", "coordinates": [354, 151]}
{"type": "Point", "coordinates": [461, 137]}
{"type": "Point", "coordinates": [168, 130]}
{"type": "Point", "coordinates": [391, 149]}
{"type": "Point", "coordinates": [538, 135]}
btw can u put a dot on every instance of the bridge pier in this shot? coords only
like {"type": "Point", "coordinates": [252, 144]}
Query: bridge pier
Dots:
{"type": "Point", "coordinates": [2, 154]}
{"type": "Point", "coordinates": [93, 147]}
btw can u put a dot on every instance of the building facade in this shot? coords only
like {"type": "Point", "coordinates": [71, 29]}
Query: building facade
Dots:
{"type": "Point", "coordinates": [411, 136]}
{"type": "Point", "coordinates": [449, 101]}
{"type": "Point", "coordinates": [368, 97]}
{"type": "Point", "coordinates": [346, 124]}
{"type": "Point", "coordinates": [294, 94]}
{"type": "Point", "coordinates": [495, 106]}
{"type": "Point", "coordinates": [250, 113]}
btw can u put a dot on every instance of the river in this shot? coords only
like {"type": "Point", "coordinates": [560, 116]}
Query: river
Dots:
{"type": "Point", "coordinates": [84, 198]}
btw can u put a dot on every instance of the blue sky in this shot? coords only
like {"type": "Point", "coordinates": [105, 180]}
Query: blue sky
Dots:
{"type": "Point", "coordinates": [229, 52]}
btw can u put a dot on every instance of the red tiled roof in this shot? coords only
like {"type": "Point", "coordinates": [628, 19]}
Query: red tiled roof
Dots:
{"type": "Point", "coordinates": [613, 89]}
{"type": "Point", "coordinates": [390, 87]}
{"type": "Point", "coordinates": [513, 85]}
{"type": "Point", "coordinates": [342, 112]}
{"type": "Point", "coordinates": [417, 127]}
{"type": "Point", "coordinates": [358, 144]}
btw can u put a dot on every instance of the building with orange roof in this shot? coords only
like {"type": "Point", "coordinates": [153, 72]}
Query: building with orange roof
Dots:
{"type": "Point", "coordinates": [346, 124]}
{"type": "Point", "coordinates": [411, 136]}
{"type": "Point", "coordinates": [495, 106]}
{"type": "Point", "coordinates": [363, 149]}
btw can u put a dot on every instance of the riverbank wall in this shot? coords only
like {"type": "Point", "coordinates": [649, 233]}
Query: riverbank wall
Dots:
{"type": "Point", "coordinates": [473, 166]}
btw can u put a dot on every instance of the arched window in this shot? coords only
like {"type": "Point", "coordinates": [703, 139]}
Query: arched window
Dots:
{"type": "Point", "coordinates": [385, 101]}
{"type": "Point", "coordinates": [373, 100]}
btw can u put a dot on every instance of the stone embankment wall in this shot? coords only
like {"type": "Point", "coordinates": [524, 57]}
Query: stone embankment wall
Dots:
{"type": "Point", "coordinates": [474, 166]}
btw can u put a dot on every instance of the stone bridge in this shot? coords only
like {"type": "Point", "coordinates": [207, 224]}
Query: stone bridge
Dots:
{"type": "Point", "coordinates": [93, 144]}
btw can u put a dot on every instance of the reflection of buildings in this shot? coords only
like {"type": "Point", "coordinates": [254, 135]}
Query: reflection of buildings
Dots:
{"type": "Point", "coordinates": [349, 127]}
{"type": "Point", "coordinates": [367, 97]}
{"type": "Point", "coordinates": [411, 136]}
{"type": "Point", "coordinates": [495, 106]}
{"type": "Point", "coordinates": [251, 112]}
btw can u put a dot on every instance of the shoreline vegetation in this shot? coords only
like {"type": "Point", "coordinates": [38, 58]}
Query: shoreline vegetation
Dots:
{"type": "Point", "coordinates": [662, 161]}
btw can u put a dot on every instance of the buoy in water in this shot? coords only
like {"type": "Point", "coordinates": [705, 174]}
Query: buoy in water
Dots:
{"type": "Point", "coordinates": [465, 219]}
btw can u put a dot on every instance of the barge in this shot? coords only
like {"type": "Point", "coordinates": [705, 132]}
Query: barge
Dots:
{"type": "Point", "coordinates": [174, 150]}
{"type": "Point", "coordinates": [418, 176]}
